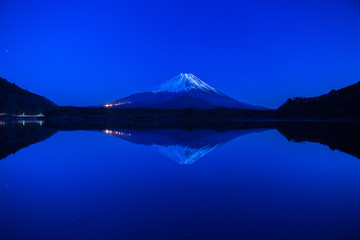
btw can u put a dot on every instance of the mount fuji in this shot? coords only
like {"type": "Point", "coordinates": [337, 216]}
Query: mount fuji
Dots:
{"type": "Point", "coordinates": [183, 91]}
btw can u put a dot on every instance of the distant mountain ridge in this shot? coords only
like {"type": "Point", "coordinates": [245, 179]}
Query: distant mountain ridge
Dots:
{"type": "Point", "coordinates": [15, 100]}
{"type": "Point", "coordinates": [183, 91]}
{"type": "Point", "coordinates": [187, 92]}
{"type": "Point", "coordinates": [342, 103]}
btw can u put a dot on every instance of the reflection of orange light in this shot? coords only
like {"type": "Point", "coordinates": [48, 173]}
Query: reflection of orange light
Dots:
{"type": "Point", "coordinates": [115, 104]}
{"type": "Point", "coordinates": [118, 133]}
{"type": "Point", "coordinates": [2, 123]}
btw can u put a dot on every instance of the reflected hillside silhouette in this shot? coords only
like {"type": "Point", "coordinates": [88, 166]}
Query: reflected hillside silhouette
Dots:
{"type": "Point", "coordinates": [182, 146]}
{"type": "Point", "coordinates": [20, 134]}
{"type": "Point", "coordinates": [342, 136]}
{"type": "Point", "coordinates": [187, 146]}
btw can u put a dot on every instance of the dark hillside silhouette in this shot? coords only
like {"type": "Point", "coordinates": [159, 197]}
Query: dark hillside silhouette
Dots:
{"type": "Point", "coordinates": [343, 103]}
{"type": "Point", "coordinates": [15, 100]}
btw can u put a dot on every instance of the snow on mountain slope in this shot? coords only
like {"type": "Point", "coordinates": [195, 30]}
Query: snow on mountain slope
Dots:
{"type": "Point", "coordinates": [185, 82]}
{"type": "Point", "coordinates": [183, 91]}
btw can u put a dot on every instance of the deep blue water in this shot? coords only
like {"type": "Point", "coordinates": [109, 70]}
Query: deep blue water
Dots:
{"type": "Point", "coordinates": [245, 184]}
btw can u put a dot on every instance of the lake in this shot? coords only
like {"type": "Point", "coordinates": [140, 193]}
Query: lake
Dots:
{"type": "Point", "coordinates": [276, 181]}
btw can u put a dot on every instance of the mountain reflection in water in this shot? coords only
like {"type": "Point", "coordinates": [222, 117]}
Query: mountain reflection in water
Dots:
{"type": "Point", "coordinates": [188, 146]}
{"type": "Point", "coordinates": [182, 146]}
{"type": "Point", "coordinates": [109, 182]}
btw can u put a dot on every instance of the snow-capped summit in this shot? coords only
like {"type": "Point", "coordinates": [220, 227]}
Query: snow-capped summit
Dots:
{"type": "Point", "coordinates": [185, 91]}
{"type": "Point", "coordinates": [185, 82]}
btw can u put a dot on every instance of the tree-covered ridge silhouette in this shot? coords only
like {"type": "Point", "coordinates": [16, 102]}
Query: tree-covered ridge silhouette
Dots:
{"type": "Point", "coordinates": [342, 103]}
{"type": "Point", "coordinates": [15, 100]}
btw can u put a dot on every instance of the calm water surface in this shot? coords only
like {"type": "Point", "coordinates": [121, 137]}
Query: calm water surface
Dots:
{"type": "Point", "coordinates": [175, 184]}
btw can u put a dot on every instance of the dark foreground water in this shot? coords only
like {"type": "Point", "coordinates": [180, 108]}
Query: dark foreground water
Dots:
{"type": "Point", "coordinates": [178, 184]}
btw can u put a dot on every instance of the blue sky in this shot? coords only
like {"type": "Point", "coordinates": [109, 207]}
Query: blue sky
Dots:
{"type": "Point", "coordinates": [261, 52]}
